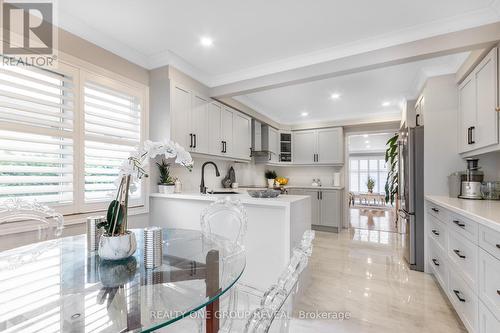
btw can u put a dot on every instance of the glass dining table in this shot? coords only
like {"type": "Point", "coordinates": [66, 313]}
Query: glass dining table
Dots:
{"type": "Point", "coordinates": [58, 286]}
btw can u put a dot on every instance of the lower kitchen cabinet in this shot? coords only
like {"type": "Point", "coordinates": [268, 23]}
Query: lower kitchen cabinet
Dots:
{"type": "Point", "coordinates": [326, 208]}
{"type": "Point", "coordinates": [466, 266]}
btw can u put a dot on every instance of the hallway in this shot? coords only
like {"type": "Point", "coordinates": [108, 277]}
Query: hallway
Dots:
{"type": "Point", "coordinates": [380, 219]}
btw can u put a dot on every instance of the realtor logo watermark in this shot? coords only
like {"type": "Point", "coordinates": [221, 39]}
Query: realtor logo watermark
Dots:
{"type": "Point", "coordinates": [29, 34]}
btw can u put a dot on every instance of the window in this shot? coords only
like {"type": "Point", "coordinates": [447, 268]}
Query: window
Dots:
{"type": "Point", "coordinates": [64, 135]}
{"type": "Point", "coordinates": [36, 134]}
{"type": "Point", "coordinates": [361, 168]}
{"type": "Point", "coordinates": [112, 131]}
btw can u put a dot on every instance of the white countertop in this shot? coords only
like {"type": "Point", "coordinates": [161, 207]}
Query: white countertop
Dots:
{"type": "Point", "coordinates": [485, 212]}
{"type": "Point", "coordinates": [243, 197]}
{"type": "Point", "coordinates": [315, 187]}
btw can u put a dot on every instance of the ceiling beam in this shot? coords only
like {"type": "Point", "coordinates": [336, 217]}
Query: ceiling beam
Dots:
{"type": "Point", "coordinates": [460, 41]}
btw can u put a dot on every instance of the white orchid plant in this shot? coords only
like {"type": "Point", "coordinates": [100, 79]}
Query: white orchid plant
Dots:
{"type": "Point", "coordinates": [134, 169]}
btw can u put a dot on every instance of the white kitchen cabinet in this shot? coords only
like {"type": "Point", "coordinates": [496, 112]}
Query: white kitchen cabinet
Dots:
{"type": "Point", "coordinates": [324, 146]}
{"type": "Point", "coordinates": [331, 208]}
{"type": "Point", "coordinates": [304, 147]}
{"type": "Point", "coordinates": [274, 144]}
{"type": "Point", "coordinates": [214, 132]}
{"type": "Point", "coordinates": [315, 206]}
{"type": "Point", "coordinates": [226, 131]}
{"type": "Point", "coordinates": [330, 146]}
{"type": "Point", "coordinates": [469, 270]}
{"type": "Point", "coordinates": [419, 111]}
{"type": "Point", "coordinates": [206, 127]}
{"type": "Point", "coordinates": [242, 136]}
{"type": "Point", "coordinates": [199, 122]}
{"type": "Point", "coordinates": [478, 108]}
{"type": "Point", "coordinates": [180, 117]}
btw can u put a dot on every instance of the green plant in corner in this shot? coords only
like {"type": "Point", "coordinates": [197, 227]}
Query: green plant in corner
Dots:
{"type": "Point", "coordinates": [391, 160]}
{"type": "Point", "coordinates": [164, 169]}
{"type": "Point", "coordinates": [370, 183]}
{"type": "Point", "coordinates": [270, 174]}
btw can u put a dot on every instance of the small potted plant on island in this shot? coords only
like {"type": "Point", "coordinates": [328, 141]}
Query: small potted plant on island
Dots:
{"type": "Point", "coordinates": [167, 183]}
{"type": "Point", "coordinates": [370, 184]}
{"type": "Point", "coordinates": [270, 176]}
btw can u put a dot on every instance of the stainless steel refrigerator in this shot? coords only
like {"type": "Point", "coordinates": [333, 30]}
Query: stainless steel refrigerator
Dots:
{"type": "Point", "coordinates": [411, 195]}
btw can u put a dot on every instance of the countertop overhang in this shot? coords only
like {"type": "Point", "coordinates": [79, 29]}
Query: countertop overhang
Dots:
{"type": "Point", "coordinates": [485, 212]}
{"type": "Point", "coordinates": [244, 198]}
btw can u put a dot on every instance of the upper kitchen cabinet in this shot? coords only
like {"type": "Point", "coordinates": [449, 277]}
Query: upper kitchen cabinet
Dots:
{"type": "Point", "coordinates": [324, 146]}
{"type": "Point", "coordinates": [242, 136]}
{"type": "Point", "coordinates": [478, 108]}
{"type": "Point", "coordinates": [207, 127]}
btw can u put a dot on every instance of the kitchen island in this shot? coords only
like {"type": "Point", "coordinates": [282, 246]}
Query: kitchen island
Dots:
{"type": "Point", "coordinates": [275, 226]}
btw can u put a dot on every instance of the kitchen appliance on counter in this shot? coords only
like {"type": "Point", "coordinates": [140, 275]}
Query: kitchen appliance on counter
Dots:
{"type": "Point", "coordinates": [411, 194]}
{"type": "Point", "coordinates": [455, 184]}
{"type": "Point", "coordinates": [490, 190]}
{"type": "Point", "coordinates": [471, 181]}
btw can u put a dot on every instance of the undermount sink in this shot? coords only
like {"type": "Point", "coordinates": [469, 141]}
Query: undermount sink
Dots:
{"type": "Point", "coordinates": [223, 192]}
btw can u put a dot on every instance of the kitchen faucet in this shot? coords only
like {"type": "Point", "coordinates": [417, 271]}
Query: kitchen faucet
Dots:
{"type": "Point", "coordinates": [203, 189]}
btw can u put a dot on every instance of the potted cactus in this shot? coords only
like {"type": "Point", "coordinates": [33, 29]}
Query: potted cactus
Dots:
{"type": "Point", "coordinates": [167, 183]}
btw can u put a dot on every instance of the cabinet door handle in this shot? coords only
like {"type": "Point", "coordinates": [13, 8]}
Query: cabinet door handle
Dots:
{"type": "Point", "coordinates": [225, 146]}
{"type": "Point", "coordinates": [417, 117]}
{"type": "Point", "coordinates": [435, 232]}
{"type": "Point", "coordinates": [435, 210]}
{"type": "Point", "coordinates": [457, 252]}
{"type": "Point", "coordinates": [251, 151]}
{"type": "Point", "coordinates": [457, 293]}
{"type": "Point", "coordinates": [468, 136]}
{"type": "Point", "coordinates": [435, 262]}
{"type": "Point", "coordinates": [498, 246]}
{"type": "Point", "coordinates": [191, 140]}
{"type": "Point", "coordinates": [222, 146]}
{"type": "Point", "coordinates": [472, 135]}
{"type": "Point", "coordinates": [194, 136]}
{"type": "Point", "coordinates": [461, 225]}
{"type": "Point", "coordinates": [498, 292]}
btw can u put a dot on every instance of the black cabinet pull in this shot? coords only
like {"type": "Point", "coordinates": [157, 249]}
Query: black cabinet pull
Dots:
{"type": "Point", "coordinates": [457, 293]}
{"type": "Point", "coordinates": [225, 147]}
{"type": "Point", "coordinates": [435, 210]}
{"type": "Point", "coordinates": [251, 151]}
{"type": "Point", "coordinates": [435, 262]}
{"type": "Point", "coordinates": [435, 232]}
{"type": "Point", "coordinates": [417, 117]}
{"type": "Point", "coordinates": [194, 136]}
{"type": "Point", "coordinates": [472, 135]}
{"type": "Point", "coordinates": [498, 292]}
{"type": "Point", "coordinates": [498, 246]}
{"type": "Point", "coordinates": [461, 225]}
{"type": "Point", "coordinates": [468, 136]}
{"type": "Point", "coordinates": [191, 140]}
{"type": "Point", "coordinates": [222, 151]}
{"type": "Point", "coordinates": [457, 252]}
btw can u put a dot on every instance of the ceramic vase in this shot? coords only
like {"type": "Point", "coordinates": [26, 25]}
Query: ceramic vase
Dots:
{"type": "Point", "coordinates": [117, 247]}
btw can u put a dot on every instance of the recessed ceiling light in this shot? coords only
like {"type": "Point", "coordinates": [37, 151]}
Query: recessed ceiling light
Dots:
{"type": "Point", "coordinates": [385, 104]}
{"type": "Point", "coordinates": [368, 147]}
{"type": "Point", "coordinates": [335, 96]}
{"type": "Point", "coordinates": [365, 135]}
{"type": "Point", "coordinates": [206, 41]}
{"type": "Point", "coordinates": [367, 141]}
{"type": "Point", "coordinates": [304, 114]}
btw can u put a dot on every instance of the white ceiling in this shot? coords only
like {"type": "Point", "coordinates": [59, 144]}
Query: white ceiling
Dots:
{"type": "Point", "coordinates": [258, 37]}
{"type": "Point", "coordinates": [362, 94]}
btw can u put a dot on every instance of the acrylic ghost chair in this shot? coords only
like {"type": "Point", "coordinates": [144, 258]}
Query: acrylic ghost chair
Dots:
{"type": "Point", "coordinates": [40, 222]}
{"type": "Point", "coordinates": [276, 303]}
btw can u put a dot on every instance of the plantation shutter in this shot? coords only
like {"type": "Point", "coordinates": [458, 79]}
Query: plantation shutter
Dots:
{"type": "Point", "coordinates": [36, 134]}
{"type": "Point", "coordinates": [112, 131]}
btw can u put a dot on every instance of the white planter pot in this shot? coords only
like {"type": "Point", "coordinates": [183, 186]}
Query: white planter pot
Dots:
{"type": "Point", "coordinates": [117, 247]}
{"type": "Point", "coordinates": [270, 183]}
{"type": "Point", "coordinates": [166, 189]}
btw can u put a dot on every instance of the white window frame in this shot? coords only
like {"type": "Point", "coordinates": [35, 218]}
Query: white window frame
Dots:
{"type": "Point", "coordinates": [366, 157]}
{"type": "Point", "coordinates": [81, 71]}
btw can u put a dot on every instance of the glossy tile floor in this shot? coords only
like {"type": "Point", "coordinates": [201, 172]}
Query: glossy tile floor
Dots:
{"type": "Point", "coordinates": [362, 272]}
{"type": "Point", "coordinates": [372, 219]}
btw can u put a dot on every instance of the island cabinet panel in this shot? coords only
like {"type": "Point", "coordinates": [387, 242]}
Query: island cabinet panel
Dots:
{"type": "Point", "coordinates": [468, 270]}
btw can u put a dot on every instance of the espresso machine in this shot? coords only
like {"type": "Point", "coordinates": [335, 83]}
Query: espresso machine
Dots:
{"type": "Point", "coordinates": [471, 181]}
